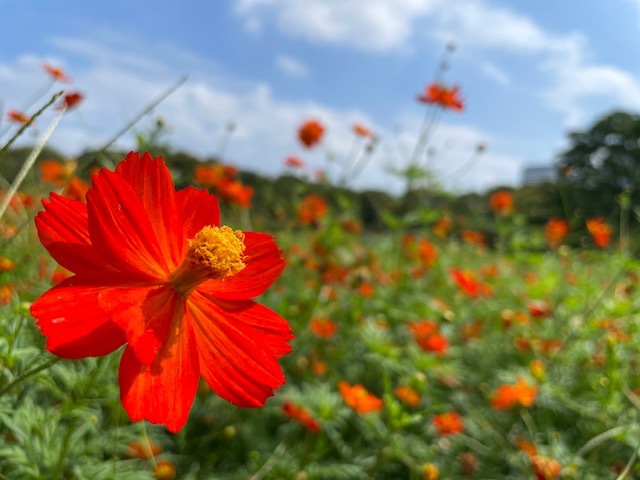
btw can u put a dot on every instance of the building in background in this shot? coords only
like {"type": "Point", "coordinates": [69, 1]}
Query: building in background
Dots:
{"type": "Point", "coordinates": [532, 175]}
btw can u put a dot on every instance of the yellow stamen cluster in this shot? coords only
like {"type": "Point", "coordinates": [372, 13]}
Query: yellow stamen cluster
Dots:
{"type": "Point", "coordinates": [219, 249]}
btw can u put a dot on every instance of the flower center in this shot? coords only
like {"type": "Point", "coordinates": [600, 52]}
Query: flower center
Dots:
{"type": "Point", "coordinates": [214, 253]}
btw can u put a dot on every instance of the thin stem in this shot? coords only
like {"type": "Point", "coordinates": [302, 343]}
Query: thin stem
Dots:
{"type": "Point", "coordinates": [31, 120]}
{"type": "Point", "coordinates": [65, 449]}
{"type": "Point", "coordinates": [148, 444]}
{"type": "Point", "coordinates": [139, 116]}
{"type": "Point", "coordinates": [268, 465]}
{"type": "Point", "coordinates": [29, 162]}
{"type": "Point", "coordinates": [30, 373]}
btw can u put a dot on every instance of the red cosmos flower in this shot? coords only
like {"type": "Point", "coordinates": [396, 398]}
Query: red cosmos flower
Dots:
{"type": "Point", "coordinates": [442, 226]}
{"type": "Point", "coordinates": [323, 327]}
{"type": "Point", "coordinates": [407, 395]}
{"type": "Point", "coordinates": [55, 171]}
{"type": "Point", "coordinates": [508, 396]}
{"type": "Point", "coordinates": [466, 282]}
{"type": "Point", "coordinates": [70, 100]}
{"type": "Point", "coordinates": [310, 133]}
{"type": "Point", "coordinates": [155, 270]}
{"type": "Point", "coordinates": [56, 73]}
{"type": "Point", "coordinates": [359, 399]}
{"type": "Point", "coordinates": [17, 116]}
{"type": "Point", "coordinates": [361, 131]}
{"type": "Point", "coordinates": [301, 415]}
{"type": "Point", "coordinates": [501, 202]}
{"type": "Point", "coordinates": [234, 191]}
{"type": "Point", "coordinates": [600, 231]}
{"type": "Point", "coordinates": [76, 189]}
{"type": "Point", "coordinates": [555, 230]}
{"type": "Point", "coordinates": [293, 162]}
{"type": "Point", "coordinates": [443, 96]}
{"type": "Point", "coordinates": [312, 208]}
{"type": "Point", "coordinates": [448, 423]}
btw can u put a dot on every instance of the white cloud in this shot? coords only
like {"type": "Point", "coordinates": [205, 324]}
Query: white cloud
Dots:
{"type": "Point", "coordinates": [495, 73]}
{"type": "Point", "coordinates": [374, 25]}
{"type": "Point", "coordinates": [290, 66]}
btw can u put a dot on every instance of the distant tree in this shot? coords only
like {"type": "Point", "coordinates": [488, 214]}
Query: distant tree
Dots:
{"type": "Point", "coordinates": [606, 157]}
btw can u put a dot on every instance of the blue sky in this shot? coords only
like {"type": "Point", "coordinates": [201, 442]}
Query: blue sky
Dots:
{"type": "Point", "coordinates": [529, 71]}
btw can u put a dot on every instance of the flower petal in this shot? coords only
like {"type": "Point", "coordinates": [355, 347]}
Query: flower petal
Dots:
{"type": "Point", "coordinates": [120, 228]}
{"type": "Point", "coordinates": [238, 360]}
{"type": "Point", "coordinates": [144, 314]}
{"type": "Point", "coordinates": [199, 208]}
{"type": "Point", "coordinates": [151, 180]}
{"type": "Point", "coordinates": [73, 323]}
{"type": "Point", "coordinates": [264, 266]}
{"type": "Point", "coordinates": [162, 392]}
{"type": "Point", "coordinates": [64, 231]}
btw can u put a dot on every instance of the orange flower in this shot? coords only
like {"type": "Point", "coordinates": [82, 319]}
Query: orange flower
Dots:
{"type": "Point", "coordinates": [427, 253]}
{"type": "Point", "coordinates": [55, 171]}
{"type": "Point", "coordinates": [546, 468]}
{"type": "Point", "coordinates": [301, 415]}
{"type": "Point", "coordinates": [435, 343]}
{"type": "Point", "coordinates": [164, 470]}
{"type": "Point", "coordinates": [56, 73]}
{"type": "Point", "coordinates": [442, 226]}
{"type": "Point", "coordinates": [234, 191]}
{"type": "Point", "coordinates": [407, 395]}
{"type": "Point", "coordinates": [293, 162]}
{"type": "Point", "coordinates": [318, 367]}
{"type": "Point", "coordinates": [448, 423]}
{"type": "Point", "coordinates": [539, 308]}
{"type": "Point", "coordinates": [310, 133]}
{"type": "Point", "coordinates": [70, 100]}
{"type": "Point", "coordinates": [536, 367]}
{"type": "Point", "coordinates": [361, 131]}
{"type": "Point", "coordinates": [508, 396]}
{"type": "Point", "coordinates": [424, 329]}
{"type": "Point", "coordinates": [155, 272]}
{"type": "Point", "coordinates": [359, 399]}
{"type": "Point", "coordinates": [17, 116]}
{"type": "Point", "coordinates": [6, 294]}
{"type": "Point", "coordinates": [143, 450]}
{"type": "Point", "coordinates": [527, 447]}
{"type": "Point", "coordinates": [366, 290]}
{"type": "Point", "coordinates": [442, 96]}
{"type": "Point", "coordinates": [430, 471]}
{"type": "Point", "coordinates": [6, 265]}
{"type": "Point", "coordinates": [501, 202]}
{"type": "Point", "coordinates": [473, 237]}
{"type": "Point", "coordinates": [76, 189]}
{"type": "Point", "coordinates": [466, 282]}
{"type": "Point", "coordinates": [600, 231]}
{"type": "Point", "coordinates": [323, 327]}
{"type": "Point", "coordinates": [312, 208]}
{"type": "Point", "coordinates": [211, 176]}
{"type": "Point", "coordinates": [555, 230]}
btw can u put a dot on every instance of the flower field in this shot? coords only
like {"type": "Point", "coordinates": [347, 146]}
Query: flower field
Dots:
{"type": "Point", "coordinates": [161, 327]}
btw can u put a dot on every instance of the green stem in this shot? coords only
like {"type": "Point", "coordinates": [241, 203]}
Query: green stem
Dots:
{"type": "Point", "coordinates": [31, 120]}
{"type": "Point", "coordinates": [65, 449]}
{"type": "Point", "coordinates": [30, 373]}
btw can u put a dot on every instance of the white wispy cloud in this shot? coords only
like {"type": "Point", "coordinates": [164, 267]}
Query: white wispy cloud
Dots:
{"type": "Point", "coordinates": [494, 72]}
{"type": "Point", "coordinates": [290, 66]}
{"type": "Point", "coordinates": [374, 25]}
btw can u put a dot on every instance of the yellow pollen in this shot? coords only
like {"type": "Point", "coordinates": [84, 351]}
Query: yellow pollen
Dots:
{"type": "Point", "coordinates": [219, 249]}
